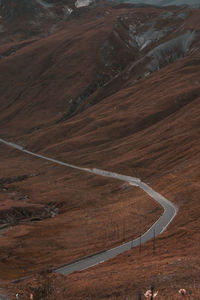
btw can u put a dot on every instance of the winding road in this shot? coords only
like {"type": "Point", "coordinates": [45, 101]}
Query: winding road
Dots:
{"type": "Point", "coordinates": [170, 211]}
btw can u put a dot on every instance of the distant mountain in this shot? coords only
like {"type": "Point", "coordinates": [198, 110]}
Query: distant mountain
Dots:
{"type": "Point", "coordinates": [163, 2]}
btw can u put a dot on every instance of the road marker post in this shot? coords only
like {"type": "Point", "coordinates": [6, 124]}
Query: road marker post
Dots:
{"type": "Point", "coordinates": [154, 242]}
{"type": "Point", "coordinates": [124, 231]}
{"type": "Point", "coordinates": [140, 248]}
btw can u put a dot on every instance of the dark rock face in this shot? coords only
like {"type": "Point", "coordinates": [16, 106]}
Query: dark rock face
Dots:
{"type": "Point", "coordinates": [136, 48]}
{"type": "Point", "coordinates": [11, 9]}
{"type": "Point", "coordinates": [30, 18]}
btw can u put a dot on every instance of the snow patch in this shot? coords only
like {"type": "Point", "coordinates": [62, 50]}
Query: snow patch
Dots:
{"type": "Point", "coordinates": [83, 3]}
{"type": "Point", "coordinates": [182, 15]}
{"type": "Point", "coordinates": [67, 11]}
{"type": "Point", "coordinates": [45, 4]}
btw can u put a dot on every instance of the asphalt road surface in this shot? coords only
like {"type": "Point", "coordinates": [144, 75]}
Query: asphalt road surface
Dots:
{"type": "Point", "coordinates": [170, 211]}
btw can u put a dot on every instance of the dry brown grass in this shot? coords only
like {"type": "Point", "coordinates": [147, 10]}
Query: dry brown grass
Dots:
{"type": "Point", "coordinates": [122, 133]}
{"type": "Point", "coordinates": [93, 213]}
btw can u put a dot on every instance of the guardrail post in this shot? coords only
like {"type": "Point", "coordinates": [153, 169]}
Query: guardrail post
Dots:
{"type": "Point", "coordinates": [154, 241]}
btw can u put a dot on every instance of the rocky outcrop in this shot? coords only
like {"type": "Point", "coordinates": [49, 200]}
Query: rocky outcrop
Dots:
{"type": "Point", "coordinates": [137, 47]}
{"type": "Point", "coordinates": [170, 51]}
{"type": "Point", "coordinates": [11, 9]}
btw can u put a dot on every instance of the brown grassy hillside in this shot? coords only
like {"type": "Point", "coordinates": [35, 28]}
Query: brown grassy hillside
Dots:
{"type": "Point", "coordinates": [69, 96]}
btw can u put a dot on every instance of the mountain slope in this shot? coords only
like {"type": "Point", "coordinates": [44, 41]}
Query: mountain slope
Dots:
{"type": "Point", "coordinates": [87, 61]}
{"type": "Point", "coordinates": [115, 88]}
